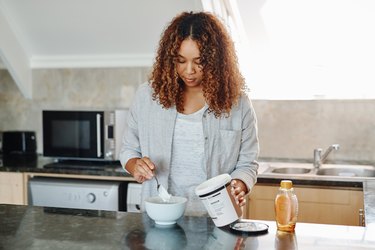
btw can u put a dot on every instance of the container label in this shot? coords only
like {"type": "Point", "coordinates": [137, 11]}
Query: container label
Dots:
{"type": "Point", "coordinates": [221, 207]}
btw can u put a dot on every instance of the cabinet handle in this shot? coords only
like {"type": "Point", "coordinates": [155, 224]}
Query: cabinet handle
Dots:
{"type": "Point", "coordinates": [361, 217]}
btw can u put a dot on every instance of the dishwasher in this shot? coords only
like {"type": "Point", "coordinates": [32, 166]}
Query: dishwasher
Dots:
{"type": "Point", "coordinates": [84, 194]}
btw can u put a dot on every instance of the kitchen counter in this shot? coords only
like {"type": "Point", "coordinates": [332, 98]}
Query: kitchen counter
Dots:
{"type": "Point", "coordinates": [23, 227]}
{"type": "Point", "coordinates": [106, 168]}
{"type": "Point", "coordinates": [115, 171]}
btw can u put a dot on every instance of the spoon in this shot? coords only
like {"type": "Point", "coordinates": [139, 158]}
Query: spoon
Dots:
{"type": "Point", "coordinates": [163, 193]}
{"type": "Point", "coordinates": [157, 183]}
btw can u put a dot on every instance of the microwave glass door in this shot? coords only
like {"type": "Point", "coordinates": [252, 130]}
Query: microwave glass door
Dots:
{"type": "Point", "coordinates": [73, 134]}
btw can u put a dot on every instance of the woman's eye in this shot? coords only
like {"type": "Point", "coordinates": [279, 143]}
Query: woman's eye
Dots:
{"type": "Point", "coordinates": [198, 61]}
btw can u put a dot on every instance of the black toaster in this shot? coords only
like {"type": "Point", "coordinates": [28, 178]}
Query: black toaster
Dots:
{"type": "Point", "coordinates": [19, 148]}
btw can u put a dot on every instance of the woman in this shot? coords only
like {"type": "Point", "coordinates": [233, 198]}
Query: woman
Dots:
{"type": "Point", "coordinates": [193, 120]}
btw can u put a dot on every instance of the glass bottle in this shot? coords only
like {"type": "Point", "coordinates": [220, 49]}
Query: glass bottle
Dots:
{"type": "Point", "coordinates": [286, 207]}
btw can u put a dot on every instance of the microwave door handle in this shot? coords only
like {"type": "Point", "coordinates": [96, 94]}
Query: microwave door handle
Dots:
{"type": "Point", "coordinates": [98, 133]}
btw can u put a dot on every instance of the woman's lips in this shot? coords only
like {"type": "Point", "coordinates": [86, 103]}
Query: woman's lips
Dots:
{"type": "Point", "coordinates": [189, 80]}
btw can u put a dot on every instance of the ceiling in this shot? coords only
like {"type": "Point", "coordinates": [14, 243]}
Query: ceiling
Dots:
{"type": "Point", "coordinates": [80, 33]}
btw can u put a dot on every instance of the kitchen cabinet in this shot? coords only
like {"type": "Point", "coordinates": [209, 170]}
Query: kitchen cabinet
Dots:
{"type": "Point", "coordinates": [12, 188]}
{"type": "Point", "coordinates": [328, 205]}
{"type": "Point", "coordinates": [14, 185]}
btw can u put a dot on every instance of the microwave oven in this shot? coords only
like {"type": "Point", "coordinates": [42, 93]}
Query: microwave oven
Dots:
{"type": "Point", "coordinates": [83, 135]}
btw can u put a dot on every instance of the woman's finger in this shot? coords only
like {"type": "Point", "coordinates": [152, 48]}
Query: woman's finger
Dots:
{"type": "Point", "coordinates": [149, 163]}
{"type": "Point", "coordinates": [241, 199]}
{"type": "Point", "coordinates": [142, 170]}
{"type": "Point", "coordinates": [149, 166]}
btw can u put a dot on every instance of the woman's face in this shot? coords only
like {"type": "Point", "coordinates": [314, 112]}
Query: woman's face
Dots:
{"type": "Point", "coordinates": [188, 64]}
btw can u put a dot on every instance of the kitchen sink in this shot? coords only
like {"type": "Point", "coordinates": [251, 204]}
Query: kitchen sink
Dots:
{"type": "Point", "coordinates": [306, 170]}
{"type": "Point", "coordinates": [348, 171]}
{"type": "Point", "coordinates": [287, 170]}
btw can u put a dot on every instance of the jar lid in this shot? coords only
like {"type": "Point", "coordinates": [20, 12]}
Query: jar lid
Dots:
{"type": "Point", "coordinates": [212, 184]}
{"type": "Point", "coordinates": [249, 227]}
{"type": "Point", "coordinates": [287, 184]}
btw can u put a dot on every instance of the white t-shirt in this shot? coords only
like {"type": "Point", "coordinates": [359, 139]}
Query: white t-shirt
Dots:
{"type": "Point", "coordinates": [187, 163]}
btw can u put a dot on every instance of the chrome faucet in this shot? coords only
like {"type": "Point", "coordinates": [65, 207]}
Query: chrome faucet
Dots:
{"type": "Point", "coordinates": [319, 158]}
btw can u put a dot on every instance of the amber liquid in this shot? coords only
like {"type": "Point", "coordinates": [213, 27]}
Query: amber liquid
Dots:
{"type": "Point", "coordinates": [286, 210]}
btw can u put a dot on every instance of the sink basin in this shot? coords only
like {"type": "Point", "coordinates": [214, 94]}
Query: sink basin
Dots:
{"type": "Point", "coordinates": [349, 172]}
{"type": "Point", "coordinates": [291, 170]}
{"type": "Point", "coordinates": [306, 170]}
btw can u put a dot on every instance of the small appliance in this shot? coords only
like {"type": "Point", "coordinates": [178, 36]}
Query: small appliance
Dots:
{"type": "Point", "coordinates": [83, 135]}
{"type": "Point", "coordinates": [19, 148]}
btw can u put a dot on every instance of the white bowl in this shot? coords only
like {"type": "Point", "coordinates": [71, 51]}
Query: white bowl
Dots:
{"type": "Point", "coordinates": [165, 213]}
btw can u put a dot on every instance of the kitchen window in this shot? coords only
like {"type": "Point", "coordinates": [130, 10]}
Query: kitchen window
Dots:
{"type": "Point", "coordinates": [303, 49]}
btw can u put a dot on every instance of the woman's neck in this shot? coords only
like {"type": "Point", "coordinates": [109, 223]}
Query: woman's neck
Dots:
{"type": "Point", "coordinates": [193, 100]}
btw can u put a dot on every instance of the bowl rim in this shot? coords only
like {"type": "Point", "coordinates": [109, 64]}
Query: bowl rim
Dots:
{"type": "Point", "coordinates": [176, 200]}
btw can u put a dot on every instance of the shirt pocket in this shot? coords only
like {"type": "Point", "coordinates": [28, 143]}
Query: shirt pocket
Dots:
{"type": "Point", "coordinates": [229, 143]}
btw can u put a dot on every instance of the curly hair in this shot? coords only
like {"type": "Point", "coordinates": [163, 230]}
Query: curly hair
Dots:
{"type": "Point", "coordinates": [222, 82]}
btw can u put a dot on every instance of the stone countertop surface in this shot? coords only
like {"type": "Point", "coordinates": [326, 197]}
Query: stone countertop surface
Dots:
{"type": "Point", "coordinates": [115, 170]}
{"type": "Point", "coordinates": [48, 166]}
{"type": "Point", "coordinates": [24, 227]}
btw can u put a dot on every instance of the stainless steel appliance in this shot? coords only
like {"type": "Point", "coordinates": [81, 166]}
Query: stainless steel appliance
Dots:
{"type": "Point", "coordinates": [19, 148]}
{"type": "Point", "coordinates": [1, 148]}
{"type": "Point", "coordinates": [84, 194]}
{"type": "Point", "coordinates": [83, 135]}
{"type": "Point", "coordinates": [1, 142]}
{"type": "Point", "coordinates": [133, 197]}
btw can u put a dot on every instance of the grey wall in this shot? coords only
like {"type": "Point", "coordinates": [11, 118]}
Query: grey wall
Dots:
{"type": "Point", "coordinates": [66, 89]}
{"type": "Point", "coordinates": [287, 129]}
{"type": "Point", "coordinates": [292, 129]}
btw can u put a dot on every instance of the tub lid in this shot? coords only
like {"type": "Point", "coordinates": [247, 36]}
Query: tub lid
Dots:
{"type": "Point", "coordinates": [248, 227]}
{"type": "Point", "coordinates": [212, 184]}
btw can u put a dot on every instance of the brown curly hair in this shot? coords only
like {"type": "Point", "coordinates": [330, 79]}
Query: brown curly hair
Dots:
{"type": "Point", "coordinates": [222, 82]}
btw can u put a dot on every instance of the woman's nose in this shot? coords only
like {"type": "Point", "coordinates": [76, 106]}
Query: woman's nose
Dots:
{"type": "Point", "coordinates": [190, 68]}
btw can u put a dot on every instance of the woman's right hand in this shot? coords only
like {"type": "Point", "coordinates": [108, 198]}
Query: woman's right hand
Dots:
{"type": "Point", "coordinates": [141, 168]}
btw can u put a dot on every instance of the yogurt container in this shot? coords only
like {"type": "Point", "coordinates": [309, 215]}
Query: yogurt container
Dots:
{"type": "Point", "coordinates": [215, 193]}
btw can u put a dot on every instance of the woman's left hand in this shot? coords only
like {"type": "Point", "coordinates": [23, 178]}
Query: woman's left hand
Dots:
{"type": "Point", "coordinates": [239, 190]}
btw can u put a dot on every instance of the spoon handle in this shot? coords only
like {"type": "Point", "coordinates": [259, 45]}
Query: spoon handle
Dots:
{"type": "Point", "coordinates": [157, 182]}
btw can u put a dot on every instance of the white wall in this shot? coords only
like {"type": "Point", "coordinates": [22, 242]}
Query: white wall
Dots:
{"type": "Point", "coordinates": [310, 49]}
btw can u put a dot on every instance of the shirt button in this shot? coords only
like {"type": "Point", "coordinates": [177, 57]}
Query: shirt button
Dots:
{"type": "Point", "coordinates": [206, 138]}
{"type": "Point", "coordinates": [204, 115]}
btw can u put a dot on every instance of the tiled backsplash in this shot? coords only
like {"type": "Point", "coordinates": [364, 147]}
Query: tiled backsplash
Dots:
{"type": "Point", "coordinates": [287, 129]}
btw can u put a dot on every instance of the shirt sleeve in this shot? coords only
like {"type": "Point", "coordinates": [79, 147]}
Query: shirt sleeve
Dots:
{"type": "Point", "coordinates": [130, 147]}
{"type": "Point", "coordinates": [246, 168]}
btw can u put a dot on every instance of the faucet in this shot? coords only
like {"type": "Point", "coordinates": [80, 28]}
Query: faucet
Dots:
{"type": "Point", "coordinates": [319, 158]}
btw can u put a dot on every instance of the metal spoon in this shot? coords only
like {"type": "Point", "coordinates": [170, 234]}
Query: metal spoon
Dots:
{"type": "Point", "coordinates": [157, 183]}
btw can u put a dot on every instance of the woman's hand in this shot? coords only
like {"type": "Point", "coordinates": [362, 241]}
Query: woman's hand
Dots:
{"type": "Point", "coordinates": [141, 169]}
{"type": "Point", "coordinates": [239, 190]}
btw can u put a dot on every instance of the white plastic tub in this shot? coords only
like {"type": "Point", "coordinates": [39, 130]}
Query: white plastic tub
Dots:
{"type": "Point", "coordinates": [216, 196]}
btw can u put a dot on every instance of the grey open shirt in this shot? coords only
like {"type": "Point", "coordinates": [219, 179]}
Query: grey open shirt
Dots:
{"type": "Point", "coordinates": [231, 144]}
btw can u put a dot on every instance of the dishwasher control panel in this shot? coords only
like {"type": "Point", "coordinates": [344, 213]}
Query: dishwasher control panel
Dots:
{"type": "Point", "coordinates": [74, 193]}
